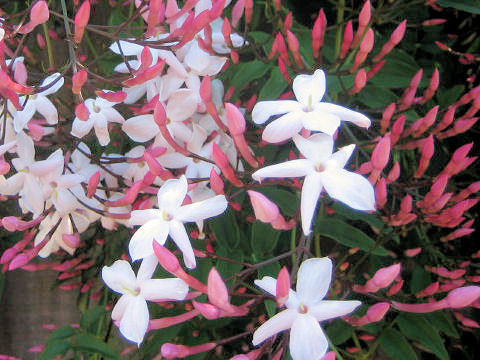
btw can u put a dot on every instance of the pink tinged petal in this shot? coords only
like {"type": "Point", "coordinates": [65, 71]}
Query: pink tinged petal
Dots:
{"type": "Point", "coordinates": [202, 210]}
{"type": "Point", "coordinates": [215, 64]}
{"type": "Point", "coordinates": [134, 93]}
{"type": "Point", "coordinates": [264, 109]}
{"type": "Point", "coordinates": [311, 189]}
{"type": "Point", "coordinates": [25, 148]}
{"type": "Point", "coordinates": [55, 87]}
{"type": "Point", "coordinates": [120, 307]}
{"type": "Point", "coordinates": [141, 128]}
{"type": "Point", "coordinates": [47, 109]}
{"type": "Point", "coordinates": [180, 131]}
{"type": "Point", "coordinates": [180, 237]}
{"type": "Point", "coordinates": [307, 340]}
{"type": "Point", "coordinates": [119, 277]}
{"type": "Point", "coordinates": [344, 114]}
{"type": "Point", "coordinates": [280, 322]}
{"type": "Point", "coordinates": [174, 161]}
{"type": "Point", "coordinates": [147, 268]}
{"type": "Point", "coordinates": [135, 319]}
{"type": "Point", "coordinates": [196, 58]}
{"type": "Point", "coordinates": [316, 148]}
{"type": "Point", "coordinates": [140, 245]}
{"type": "Point", "coordinates": [32, 195]}
{"type": "Point", "coordinates": [313, 280]}
{"type": "Point", "coordinates": [171, 194]}
{"type": "Point", "coordinates": [181, 105]}
{"type": "Point", "coordinates": [173, 62]}
{"type": "Point", "coordinates": [350, 188]}
{"type": "Point", "coordinates": [343, 155]}
{"type": "Point", "coordinates": [140, 217]}
{"type": "Point", "coordinates": [81, 128]}
{"type": "Point", "coordinates": [283, 128]}
{"type": "Point", "coordinates": [163, 289]}
{"type": "Point", "coordinates": [21, 118]}
{"type": "Point", "coordinates": [293, 168]}
{"type": "Point", "coordinates": [123, 68]}
{"type": "Point", "coordinates": [329, 309]}
{"type": "Point", "coordinates": [309, 89]}
{"type": "Point", "coordinates": [13, 184]}
{"type": "Point", "coordinates": [128, 48]}
{"type": "Point", "coordinates": [193, 82]}
{"type": "Point", "coordinates": [101, 129]}
{"type": "Point", "coordinates": [321, 121]}
{"type": "Point", "coordinates": [113, 115]}
{"type": "Point", "coordinates": [269, 285]}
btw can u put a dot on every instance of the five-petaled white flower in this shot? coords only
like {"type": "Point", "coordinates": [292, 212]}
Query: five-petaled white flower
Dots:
{"type": "Point", "coordinates": [307, 112]}
{"type": "Point", "coordinates": [168, 219]}
{"type": "Point", "coordinates": [131, 309]}
{"type": "Point", "coordinates": [322, 169]}
{"type": "Point", "coordinates": [305, 308]}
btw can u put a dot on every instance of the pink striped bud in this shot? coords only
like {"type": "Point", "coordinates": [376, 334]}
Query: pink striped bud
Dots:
{"type": "Point", "coordinates": [294, 47]}
{"type": "Point", "coordinates": [427, 121]}
{"type": "Point", "coordinates": [217, 291]}
{"type": "Point", "coordinates": [459, 127]}
{"type": "Point", "coordinates": [377, 312]}
{"type": "Point", "coordinates": [112, 96]}
{"type": "Point", "coordinates": [166, 258]}
{"type": "Point", "coordinates": [78, 80]}
{"type": "Point", "coordinates": [387, 116]}
{"type": "Point", "coordinates": [463, 296]}
{"type": "Point", "coordinates": [227, 32]}
{"type": "Point", "coordinates": [381, 193]}
{"type": "Point", "coordinates": [235, 120]}
{"type": "Point", "coordinates": [395, 38]}
{"type": "Point", "coordinates": [375, 69]}
{"type": "Point", "coordinates": [282, 49]}
{"type": "Point", "coordinates": [130, 195]}
{"type": "Point", "coordinates": [360, 82]}
{"type": "Point", "coordinates": [222, 162]}
{"type": "Point", "coordinates": [429, 290]}
{"type": "Point", "coordinates": [216, 183]}
{"type": "Point", "coordinates": [428, 149]}
{"type": "Point", "coordinates": [406, 204]}
{"type": "Point", "coordinates": [432, 22]}
{"type": "Point", "coordinates": [265, 210]}
{"type": "Point", "coordinates": [432, 87]}
{"type": "Point", "coordinates": [288, 23]}
{"type": "Point", "coordinates": [381, 153]}
{"type": "Point", "coordinates": [365, 47]}
{"type": "Point", "coordinates": [81, 21]}
{"type": "Point", "coordinates": [347, 40]}
{"type": "Point", "coordinates": [318, 33]}
{"type": "Point", "coordinates": [385, 276]}
{"type": "Point", "coordinates": [363, 20]}
{"type": "Point", "coordinates": [397, 129]}
{"type": "Point", "coordinates": [154, 15]}
{"type": "Point", "coordinates": [237, 12]}
{"type": "Point", "coordinates": [39, 14]}
{"type": "Point", "coordinates": [409, 93]}
{"type": "Point", "coordinates": [394, 173]}
{"type": "Point", "coordinates": [395, 288]}
{"type": "Point", "coordinates": [283, 286]}
{"type": "Point", "coordinates": [172, 351]}
{"type": "Point", "coordinates": [208, 311]}
{"type": "Point", "coordinates": [471, 189]}
{"type": "Point", "coordinates": [93, 183]}
{"type": "Point", "coordinates": [248, 11]}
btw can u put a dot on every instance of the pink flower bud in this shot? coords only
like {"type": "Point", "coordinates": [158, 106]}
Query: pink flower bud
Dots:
{"type": "Point", "coordinates": [20, 74]}
{"type": "Point", "coordinates": [462, 297]}
{"type": "Point", "coordinates": [39, 14]}
{"type": "Point", "coordinates": [217, 10]}
{"type": "Point", "coordinates": [395, 288]}
{"type": "Point", "coordinates": [420, 308]}
{"type": "Point", "coordinates": [409, 93]}
{"type": "Point", "coordinates": [166, 258]}
{"type": "Point", "coordinates": [222, 162]}
{"type": "Point", "coordinates": [365, 47]}
{"type": "Point", "coordinates": [294, 47]}
{"type": "Point", "coordinates": [154, 15]}
{"type": "Point", "coordinates": [385, 276]}
{"type": "Point", "coordinates": [112, 96]}
{"type": "Point", "coordinates": [360, 82]}
{"type": "Point", "coordinates": [318, 33]}
{"type": "Point", "coordinates": [397, 129]}
{"type": "Point", "coordinates": [237, 12]}
{"type": "Point", "coordinates": [427, 153]}
{"type": "Point", "coordinates": [217, 291]}
{"type": "Point", "coordinates": [377, 312]}
{"type": "Point", "coordinates": [130, 195]}
{"type": "Point", "coordinates": [81, 20]}
{"type": "Point", "coordinates": [288, 23]}
{"type": "Point", "coordinates": [363, 20]}
{"type": "Point", "coordinates": [216, 183]}
{"type": "Point", "coordinates": [432, 87]}
{"type": "Point", "coordinates": [375, 69]}
{"type": "Point", "coordinates": [432, 22]}
{"type": "Point", "coordinates": [71, 240]}
{"type": "Point", "coordinates": [381, 153]}
{"type": "Point", "coordinates": [93, 183]}
{"type": "Point", "coordinates": [148, 74]}
{"type": "Point", "coordinates": [395, 38]}
{"type": "Point", "coordinates": [78, 80]}
{"type": "Point", "coordinates": [283, 286]}
{"type": "Point", "coordinates": [429, 290]}
{"type": "Point", "coordinates": [277, 4]}
{"type": "Point", "coordinates": [347, 40]}
{"type": "Point", "coordinates": [209, 311]}
{"type": "Point", "coordinates": [227, 32]}
{"type": "Point", "coordinates": [381, 193]}
{"type": "Point", "coordinates": [331, 355]}
{"type": "Point", "coordinates": [235, 119]}
{"type": "Point", "coordinates": [394, 173]}
{"type": "Point", "coordinates": [264, 209]}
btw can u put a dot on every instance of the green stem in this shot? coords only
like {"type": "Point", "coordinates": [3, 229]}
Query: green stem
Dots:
{"type": "Point", "coordinates": [293, 245]}
{"type": "Point", "coordinates": [68, 33]}
{"type": "Point", "coordinates": [340, 16]}
{"type": "Point", "coordinates": [51, 61]}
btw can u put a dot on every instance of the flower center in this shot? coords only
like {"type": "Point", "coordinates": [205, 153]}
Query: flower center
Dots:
{"type": "Point", "coordinates": [166, 216]}
{"type": "Point", "coordinates": [320, 167]}
{"type": "Point", "coordinates": [134, 291]}
{"type": "Point", "coordinates": [309, 107]}
{"type": "Point", "coordinates": [302, 309]}
{"type": "Point", "coordinates": [96, 108]}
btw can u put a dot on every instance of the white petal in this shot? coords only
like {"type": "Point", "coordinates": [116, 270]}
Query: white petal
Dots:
{"type": "Point", "coordinates": [181, 105]}
{"type": "Point", "coordinates": [173, 62]}
{"type": "Point", "coordinates": [101, 129]}
{"type": "Point", "coordinates": [147, 268]}
{"type": "Point", "coordinates": [180, 237]}
{"type": "Point", "coordinates": [313, 280]}
{"type": "Point", "coordinates": [113, 115]}
{"type": "Point", "coordinates": [171, 194]}
{"type": "Point", "coordinates": [329, 309]}
{"type": "Point", "coordinates": [283, 128]}
{"type": "Point", "coordinates": [215, 64]}
{"type": "Point", "coordinates": [269, 284]}
{"type": "Point", "coordinates": [309, 89]}
{"type": "Point", "coordinates": [81, 128]}
{"type": "Point", "coordinates": [293, 168]}
{"type": "Point", "coordinates": [134, 93]}
{"type": "Point", "coordinates": [54, 88]}
{"type": "Point", "coordinates": [119, 276]}
{"type": "Point", "coordinates": [350, 188]}
{"type": "Point", "coordinates": [311, 189]}
{"type": "Point", "coordinates": [342, 155]}
{"type": "Point", "coordinates": [164, 289]}
{"type": "Point", "coordinates": [141, 242]}
{"type": "Point", "coordinates": [47, 109]}
{"type": "Point", "coordinates": [264, 109]}
{"type": "Point", "coordinates": [321, 121]}
{"type": "Point", "coordinates": [134, 323]}
{"type": "Point", "coordinates": [199, 135]}
{"type": "Point", "coordinates": [120, 307]}
{"type": "Point", "coordinates": [140, 217]}
{"type": "Point", "coordinates": [128, 48]}
{"type": "Point", "coordinates": [25, 148]}
{"type": "Point", "coordinates": [280, 322]}
{"type": "Point", "coordinates": [202, 210]}
{"type": "Point", "coordinates": [21, 118]}
{"type": "Point", "coordinates": [317, 147]}
{"type": "Point", "coordinates": [344, 114]}
{"type": "Point", "coordinates": [307, 340]}
{"type": "Point", "coordinates": [141, 128]}
{"type": "Point", "coordinates": [174, 161]}
{"type": "Point", "coordinates": [196, 58]}
{"type": "Point", "coordinates": [32, 195]}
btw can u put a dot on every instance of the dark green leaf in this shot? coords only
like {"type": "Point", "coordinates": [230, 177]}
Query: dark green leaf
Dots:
{"type": "Point", "coordinates": [443, 323]}
{"type": "Point", "coordinates": [91, 316]}
{"type": "Point", "coordinates": [92, 344]}
{"type": "Point", "coordinates": [54, 348]}
{"type": "Point", "coordinates": [397, 71]}
{"type": "Point", "coordinates": [347, 235]}
{"type": "Point", "coordinates": [248, 72]}
{"type": "Point", "coordinates": [420, 279]}
{"type": "Point", "coordinates": [351, 214]}
{"type": "Point", "coordinates": [271, 307]}
{"type": "Point", "coordinates": [339, 331]}
{"type": "Point", "coordinates": [286, 201]}
{"type": "Point", "coordinates": [449, 96]}
{"type": "Point", "coordinates": [471, 6]}
{"type": "Point", "coordinates": [274, 86]}
{"type": "Point", "coordinates": [226, 230]}
{"type": "Point", "coordinates": [260, 37]}
{"type": "Point", "coordinates": [63, 332]}
{"type": "Point", "coordinates": [417, 328]}
{"type": "Point", "coordinates": [269, 270]}
{"type": "Point", "coordinates": [396, 346]}
{"type": "Point", "coordinates": [159, 338]}
{"type": "Point", "coordinates": [264, 238]}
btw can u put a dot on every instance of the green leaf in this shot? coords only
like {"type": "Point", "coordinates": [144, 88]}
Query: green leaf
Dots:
{"type": "Point", "coordinates": [274, 86]}
{"type": "Point", "coordinates": [286, 201]}
{"type": "Point", "coordinates": [159, 338]}
{"type": "Point", "coordinates": [417, 328]}
{"type": "Point", "coordinates": [260, 37]}
{"type": "Point", "coordinates": [420, 279]}
{"type": "Point", "coordinates": [339, 331]}
{"type": "Point", "coordinates": [264, 238]}
{"type": "Point", "coordinates": [347, 235]}
{"type": "Point", "coordinates": [396, 346]}
{"type": "Point", "coordinates": [248, 72]}
{"type": "Point", "coordinates": [352, 214]}
{"type": "Point", "coordinates": [374, 96]}
{"type": "Point", "coordinates": [449, 96]}
{"type": "Point", "coordinates": [91, 316]}
{"type": "Point", "coordinates": [269, 270]}
{"type": "Point", "coordinates": [397, 71]}
{"type": "Point", "coordinates": [54, 348]}
{"type": "Point", "coordinates": [226, 229]}
{"type": "Point", "coordinates": [471, 6]}
{"type": "Point", "coordinates": [63, 332]}
{"type": "Point", "coordinates": [271, 307]}
{"type": "Point", "coordinates": [443, 323]}
{"type": "Point", "coordinates": [92, 344]}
